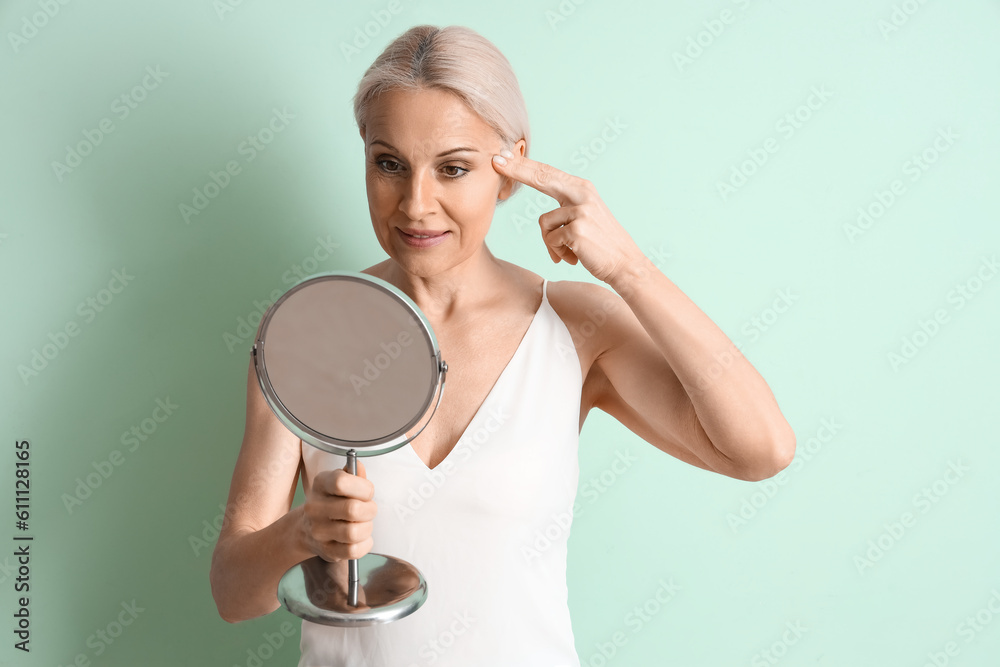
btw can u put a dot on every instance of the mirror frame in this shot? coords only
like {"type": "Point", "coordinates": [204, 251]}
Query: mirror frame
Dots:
{"type": "Point", "coordinates": [327, 442]}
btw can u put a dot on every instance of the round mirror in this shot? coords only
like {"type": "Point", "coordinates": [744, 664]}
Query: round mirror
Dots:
{"type": "Point", "coordinates": [349, 364]}
{"type": "Point", "coordinates": [348, 361]}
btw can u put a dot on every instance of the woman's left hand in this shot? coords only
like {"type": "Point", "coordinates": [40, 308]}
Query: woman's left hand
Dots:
{"type": "Point", "coordinates": [582, 228]}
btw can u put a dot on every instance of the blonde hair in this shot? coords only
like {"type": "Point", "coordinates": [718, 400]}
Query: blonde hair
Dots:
{"type": "Point", "coordinates": [455, 59]}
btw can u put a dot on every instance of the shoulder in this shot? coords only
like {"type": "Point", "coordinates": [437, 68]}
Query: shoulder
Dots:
{"type": "Point", "coordinates": [584, 307]}
{"type": "Point", "coordinates": [578, 302]}
{"type": "Point", "coordinates": [592, 313]}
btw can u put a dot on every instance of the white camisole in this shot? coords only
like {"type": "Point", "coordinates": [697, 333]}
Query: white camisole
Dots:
{"type": "Point", "coordinates": [487, 527]}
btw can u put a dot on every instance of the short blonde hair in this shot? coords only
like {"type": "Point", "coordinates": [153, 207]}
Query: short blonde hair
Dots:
{"type": "Point", "coordinates": [456, 59]}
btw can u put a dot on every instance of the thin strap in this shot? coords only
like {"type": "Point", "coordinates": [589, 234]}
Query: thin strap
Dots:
{"type": "Point", "coordinates": [544, 283]}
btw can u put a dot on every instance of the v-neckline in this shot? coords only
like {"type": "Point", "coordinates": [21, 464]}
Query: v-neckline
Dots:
{"type": "Point", "coordinates": [517, 351]}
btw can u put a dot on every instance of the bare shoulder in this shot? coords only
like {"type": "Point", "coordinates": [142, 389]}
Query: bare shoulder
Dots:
{"type": "Point", "coordinates": [585, 308]}
{"type": "Point", "coordinates": [592, 313]}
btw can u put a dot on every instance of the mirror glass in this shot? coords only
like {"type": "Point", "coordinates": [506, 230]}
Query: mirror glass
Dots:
{"type": "Point", "coordinates": [348, 362]}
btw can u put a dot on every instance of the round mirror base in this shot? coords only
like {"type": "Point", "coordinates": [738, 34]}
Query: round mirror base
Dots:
{"type": "Point", "coordinates": [319, 591]}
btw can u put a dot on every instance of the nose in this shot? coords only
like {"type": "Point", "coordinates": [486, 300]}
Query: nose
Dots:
{"type": "Point", "coordinates": [418, 195]}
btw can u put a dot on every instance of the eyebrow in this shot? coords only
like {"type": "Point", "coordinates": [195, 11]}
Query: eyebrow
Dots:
{"type": "Point", "coordinates": [460, 149]}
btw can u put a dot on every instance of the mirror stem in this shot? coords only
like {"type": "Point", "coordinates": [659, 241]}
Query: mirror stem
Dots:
{"type": "Point", "coordinates": [352, 565]}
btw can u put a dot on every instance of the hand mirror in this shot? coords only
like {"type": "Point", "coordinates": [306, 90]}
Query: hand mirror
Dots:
{"type": "Point", "coordinates": [349, 364]}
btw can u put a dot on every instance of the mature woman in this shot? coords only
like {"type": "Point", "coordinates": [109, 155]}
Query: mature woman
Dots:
{"type": "Point", "coordinates": [446, 139]}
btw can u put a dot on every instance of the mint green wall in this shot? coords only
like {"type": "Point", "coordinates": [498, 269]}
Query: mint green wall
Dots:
{"type": "Point", "coordinates": [673, 124]}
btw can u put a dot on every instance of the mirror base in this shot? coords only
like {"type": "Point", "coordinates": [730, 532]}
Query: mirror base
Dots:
{"type": "Point", "coordinates": [319, 591]}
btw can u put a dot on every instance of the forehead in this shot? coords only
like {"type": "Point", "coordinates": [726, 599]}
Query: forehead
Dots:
{"type": "Point", "coordinates": [426, 118]}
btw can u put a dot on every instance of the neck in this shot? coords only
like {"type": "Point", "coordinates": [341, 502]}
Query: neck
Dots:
{"type": "Point", "coordinates": [458, 289]}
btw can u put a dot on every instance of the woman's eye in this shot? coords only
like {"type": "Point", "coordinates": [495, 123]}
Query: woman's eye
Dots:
{"type": "Point", "coordinates": [461, 171]}
{"type": "Point", "coordinates": [392, 165]}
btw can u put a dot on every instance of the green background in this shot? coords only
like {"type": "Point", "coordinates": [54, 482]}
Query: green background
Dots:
{"type": "Point", "coordinates": [791, 558]}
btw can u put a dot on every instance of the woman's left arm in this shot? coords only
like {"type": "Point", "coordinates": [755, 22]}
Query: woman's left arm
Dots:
{"type": "Point", "coordinates": [737, 428]}
{"type": "Point", "coordinates": [670, 374]}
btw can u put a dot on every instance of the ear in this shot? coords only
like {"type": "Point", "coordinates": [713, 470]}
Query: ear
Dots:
{"type": "Point", "coordinates": [508, 184]}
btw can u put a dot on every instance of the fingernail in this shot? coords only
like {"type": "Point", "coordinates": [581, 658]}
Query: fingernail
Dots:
{"type": "Point", "coordinates": [499, 160]}
{"type": "Point", "coordinates": [506, 153]}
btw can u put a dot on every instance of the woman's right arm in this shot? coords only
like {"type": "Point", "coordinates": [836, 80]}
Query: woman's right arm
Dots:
{"type": "Point", "coordinates": [261, 536]}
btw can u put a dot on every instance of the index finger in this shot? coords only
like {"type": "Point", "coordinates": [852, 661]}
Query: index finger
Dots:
{"type": "Point", "coordinates": [564, 188]}
{"type": "Point", "coordinates": [342, 483]}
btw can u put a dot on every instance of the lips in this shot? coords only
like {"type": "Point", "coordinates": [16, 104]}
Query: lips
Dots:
{"type": "Point", "coordinates": [411, 231]}
{"type": "Point", "coordinates": [422, 238]}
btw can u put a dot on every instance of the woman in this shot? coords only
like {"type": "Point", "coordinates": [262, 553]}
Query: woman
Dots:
{"type": "Point", "coordinates": [446, 139]}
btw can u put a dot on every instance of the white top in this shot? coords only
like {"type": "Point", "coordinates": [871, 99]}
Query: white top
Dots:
{"type": "Point", "coordinates": [487, 527]}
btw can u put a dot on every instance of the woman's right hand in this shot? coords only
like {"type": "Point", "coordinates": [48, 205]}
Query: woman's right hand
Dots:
{"type": "Point", "coordinates": [337, 515]}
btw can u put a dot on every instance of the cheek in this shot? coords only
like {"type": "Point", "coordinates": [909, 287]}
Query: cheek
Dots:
{"type": "Point", "coordinates": [380, 193]}
{"type": "Point", "coordinates": [476, 198]}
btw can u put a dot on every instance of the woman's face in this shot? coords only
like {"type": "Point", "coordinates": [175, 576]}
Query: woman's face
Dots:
{"type": "Point", "coordinates": [429, 169]}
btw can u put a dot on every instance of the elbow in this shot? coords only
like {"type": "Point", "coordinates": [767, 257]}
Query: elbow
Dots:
{"type": "Point", "coordinates": [227, 618]}
{"type": "Point", "coordinates": [222, 603]}
{"type": "Point", "coordinates": [226, 613]}
{"type": "Point", "coordinates": [231, 601]}
{"type": "Point", "coordinates": [775, 455]}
